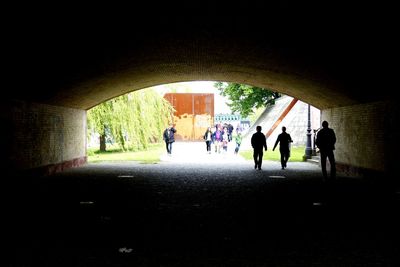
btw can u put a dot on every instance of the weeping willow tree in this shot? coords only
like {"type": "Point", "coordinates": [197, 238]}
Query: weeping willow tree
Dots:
{"type": "Point", "coordinates": [132, 121]}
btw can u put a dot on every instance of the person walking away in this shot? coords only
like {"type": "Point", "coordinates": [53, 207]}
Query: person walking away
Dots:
{"type": "Point", "coordinates": [238, 140]}
{"type": "Point", "coordinates": [325, 142]}
{"type": "Point", "coordinates": [208, 138]}
{"type": "Point", "coordinates": [284, 141]}
{"type": "Point", "coordinates": [169, 137]}
{"type": "Point", "coordinates": [258, 142]}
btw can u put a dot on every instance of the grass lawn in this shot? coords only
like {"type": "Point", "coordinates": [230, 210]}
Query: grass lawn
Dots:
{"type": "Point", "coordinates": [153, 153]}
{"type": "Point", "coordinates": [296, 154]}
{"type": "Point", "coordinates": [149, 156]}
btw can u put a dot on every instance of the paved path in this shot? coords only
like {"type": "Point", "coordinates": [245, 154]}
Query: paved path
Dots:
{"type": "Point", "coordinates": [195, 152]}
{"type": "Point", "coordinates": [191, 210]}
{"type": "Point", "coordinates": [189, 156]}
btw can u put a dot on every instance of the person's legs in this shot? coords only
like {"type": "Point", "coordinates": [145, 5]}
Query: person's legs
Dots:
{"type": "Point", "coordinates": [331, 158]}
{"type": "Point", "coordinates": [237, 148]}
{"type": "Point", "coordinates": [255, 157]}
{"type": "Point", "coordinates": [286, 157]}
{"type": "Point", "coordinates": [167, 146]}
{"type": "Point", "coordinates": [282, 159]}
{"type": "Point", "coordinates": [323, 164]}
{"type": "Point", "coordinates": [260, 154]}
{"type": "Point", "coordinates": [170, 148]}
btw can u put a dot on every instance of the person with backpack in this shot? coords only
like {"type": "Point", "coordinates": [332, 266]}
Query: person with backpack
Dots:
{"type": "Point", "coordinates": [169, 137]}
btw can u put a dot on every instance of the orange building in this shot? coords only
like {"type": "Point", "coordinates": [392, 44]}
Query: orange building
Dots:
{"type": "Point", "coordinates": [194, 113]}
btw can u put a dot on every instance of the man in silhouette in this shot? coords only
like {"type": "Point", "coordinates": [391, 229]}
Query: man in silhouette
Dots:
{"type": "Point", "coordinates": [258, 142]}
{"type": "Point", "coordinates": [325, 141]}
{"type": "Point", "coordinates": [284, 141]}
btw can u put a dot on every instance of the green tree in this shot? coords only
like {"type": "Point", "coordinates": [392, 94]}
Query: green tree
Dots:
{"type": "Point", "coordinates": [132, 120]}
{"type": "Point", "coordinates": [246, 98]}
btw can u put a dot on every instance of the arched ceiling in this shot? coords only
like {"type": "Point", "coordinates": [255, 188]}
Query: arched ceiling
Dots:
{"type": "Point", "coordinates": [324, 58]}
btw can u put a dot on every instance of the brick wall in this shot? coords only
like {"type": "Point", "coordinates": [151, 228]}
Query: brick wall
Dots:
{"type": "Point", "coordinates": [366, 136]}
{"type": "Point", "coordinates": [43, 137]}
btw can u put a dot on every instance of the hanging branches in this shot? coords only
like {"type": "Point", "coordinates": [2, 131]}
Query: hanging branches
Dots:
{"type": "Point", "coordinates": [132, 121]}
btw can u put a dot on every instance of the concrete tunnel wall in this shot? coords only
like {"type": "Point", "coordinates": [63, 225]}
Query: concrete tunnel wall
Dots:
{"type": "Point", "coordinates": [366, 137]}
{"type": "Point", "coordinates": [43, 138]}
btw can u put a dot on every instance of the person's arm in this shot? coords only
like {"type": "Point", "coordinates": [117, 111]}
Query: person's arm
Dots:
{"type": "Point", "coordinates": [276, 143]}
{"type": "Point", "coordinates": [265, 142]}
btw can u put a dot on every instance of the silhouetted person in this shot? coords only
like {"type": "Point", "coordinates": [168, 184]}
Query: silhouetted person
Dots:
{"type": "Point", "coordinates": [284, 141]}
{"type": "Point", "coordinates": [258, 142]}
{"type": "Point", "coordinates": [169, 137]}
{"type": "Point", "coordinates": [325, 141]}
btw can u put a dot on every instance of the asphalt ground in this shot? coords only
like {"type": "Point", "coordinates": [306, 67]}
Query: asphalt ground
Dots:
{"type": "Point", "coordinates": [199, 210]}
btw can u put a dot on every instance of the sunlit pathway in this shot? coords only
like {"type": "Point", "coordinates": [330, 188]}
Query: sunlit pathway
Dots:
{"type": "Point", "coordinates": [195, 152]}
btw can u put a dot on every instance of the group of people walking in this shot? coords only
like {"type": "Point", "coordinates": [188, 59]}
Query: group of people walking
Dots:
{"type": "Point", "coordinates": [220, 136]}
{"type": "Point", "coordinates": [325, 142]}
{"type": "Point", "coordinates": [259, 144]}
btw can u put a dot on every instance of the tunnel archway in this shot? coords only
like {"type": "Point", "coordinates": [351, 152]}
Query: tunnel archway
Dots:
{"type": "Point", "coordinates": [83, 64]}
{"type": "Point", "coordinates": [58, 65]}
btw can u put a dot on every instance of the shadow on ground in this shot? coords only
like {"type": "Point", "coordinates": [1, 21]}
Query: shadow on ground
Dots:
{"type": "Point", "coordinates": [171, 215]}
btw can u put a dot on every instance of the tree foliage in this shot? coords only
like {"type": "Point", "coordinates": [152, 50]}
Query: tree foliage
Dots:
{"type": "Point", "coordinates": [246, 98]}
{"type": "Point", "coordinates": [132, 120]}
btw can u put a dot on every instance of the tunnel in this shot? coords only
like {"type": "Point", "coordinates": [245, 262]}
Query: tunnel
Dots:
{"type": "Point", "coordinates": [336, 58]}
